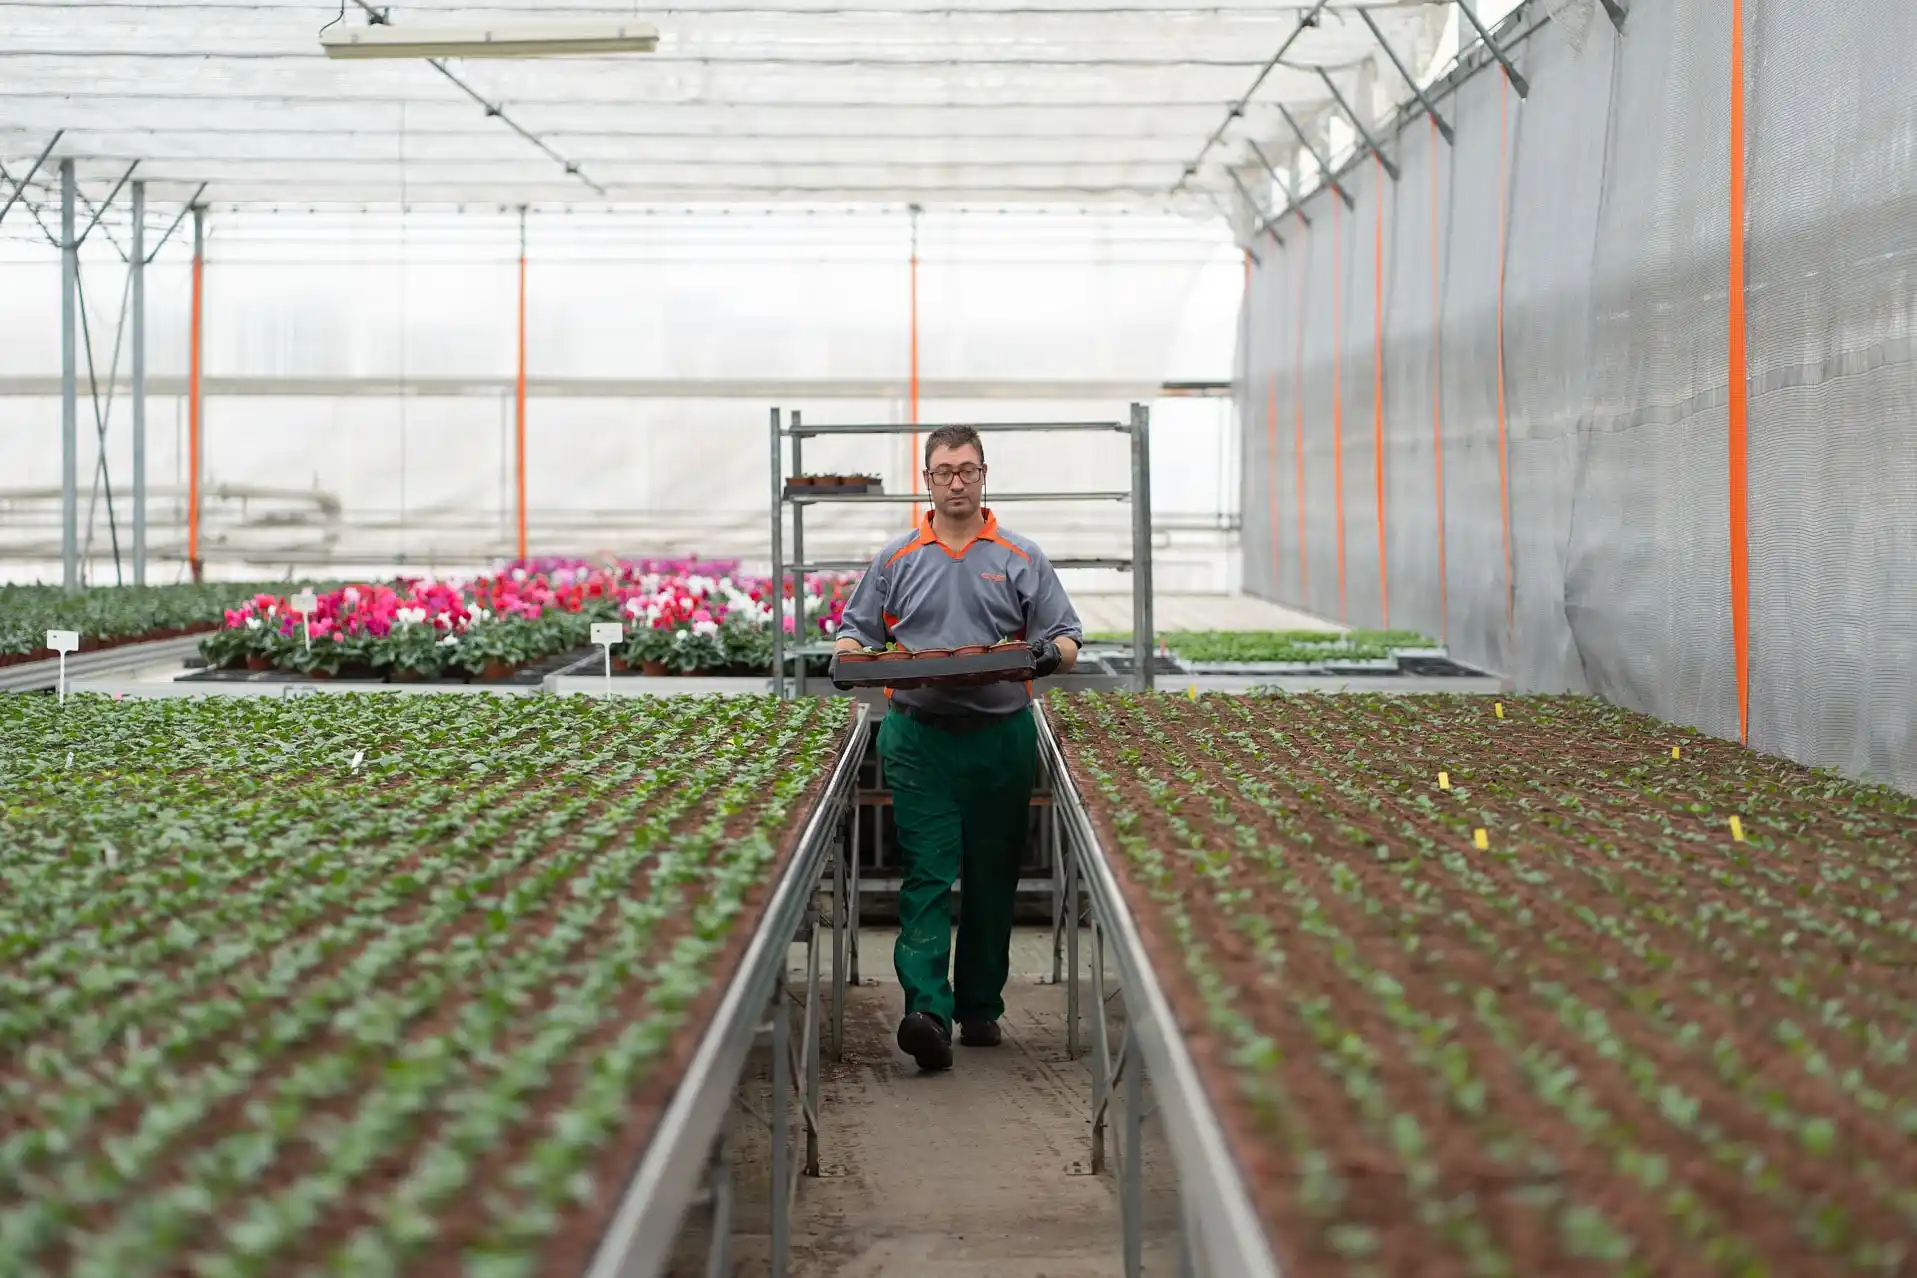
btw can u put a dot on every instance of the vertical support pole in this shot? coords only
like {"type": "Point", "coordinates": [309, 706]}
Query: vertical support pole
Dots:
{"type": "Point", "coordinates": [196, 403]}
{"type": "Point", "coordinates": [519, 399]}
{"type": "Point", "coordinates": [69, 387]}
{"type": "Point", "coordinates": [1739, 386]}
{"type": "Point", "coordinates": [1071, 953]}
{"type": "Point", "coordinates": [853, 907]}
{"type": "Point", "coordinates": [1437, 391]}
{"type": "Point", "coordinates": [799, 636]}
{"type": "Point", "coordinates": [841, 908]}
{"type": "Point", "coordinates": [1132, 1063]}
{"type": "Point", "coordinates": [1338, 398]}
{"type": "Point", "coordinates": [1142, 623]}
{"type": "Point", "coordinates": [810, 1045]}
{"type": "Point", "coordinates": [1378, 393]}
{"type": "Point", "coordinates": [778, 569]}
{"type": "Point", "coordinates": [719, 1251]}
{"type": "Point", "coordinates": [1058, 886]}
{"type": "Point", "coordinates": [914, 397]}
{"type": "Point", "coordinates": [137, 264]}
{"type": "Point", "coordinates": [1504, 455]}
{"type": "Point", "coordinates": [1101, 1051]}
{"type": "Point", "coordinates": [781, 1200]}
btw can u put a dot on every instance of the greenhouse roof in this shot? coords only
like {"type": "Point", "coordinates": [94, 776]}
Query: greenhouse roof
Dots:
{"type": "Point", "coordinates": [929, 102]}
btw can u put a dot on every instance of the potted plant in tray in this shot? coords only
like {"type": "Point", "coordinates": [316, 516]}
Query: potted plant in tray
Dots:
{"type": "Point", "coordinates": [492, 649]}
{"type": "Point", "coordinates": [647, 649]}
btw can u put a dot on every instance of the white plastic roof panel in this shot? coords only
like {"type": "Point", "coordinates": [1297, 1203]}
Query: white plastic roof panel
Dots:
{"type": "Point", "coordinates": [1047, 102]}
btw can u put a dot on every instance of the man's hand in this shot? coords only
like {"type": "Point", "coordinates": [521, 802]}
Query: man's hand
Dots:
{"type": "Point", "coordinates": [1050, 656]}
{"type": "Point", "coordinates": [846, 643]}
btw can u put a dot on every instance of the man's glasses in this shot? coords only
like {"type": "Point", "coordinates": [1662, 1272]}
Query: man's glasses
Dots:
{"type": "Point", "coordinates": [946, 474]}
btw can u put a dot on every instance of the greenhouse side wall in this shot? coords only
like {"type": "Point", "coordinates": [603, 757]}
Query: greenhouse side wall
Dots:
{"type": "Point", "coordinates": [1585, 546]}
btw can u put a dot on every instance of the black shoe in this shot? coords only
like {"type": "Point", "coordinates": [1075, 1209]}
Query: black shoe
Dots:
{"type": "Point", "coordinates": [980, 1033]}
{"type": "Point", "coordinates": [925, 1038]}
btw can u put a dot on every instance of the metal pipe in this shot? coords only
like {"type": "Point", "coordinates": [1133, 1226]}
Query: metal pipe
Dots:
{"type": "Point", "coordinates": [1417, 90]}
{"type": "Point", "coordinates": [1364, 134]}
{"type": "Point", "coordinates": [1518, 81]}
{"type": "Point", "coordinates": [136, 264]}
{"type": "Point", "coordinates": [1305, 23]}
{"type": "Point", "coordinates": [1323, 162]}
{"type": "Point", "coordinates": [107, 203]}
{"type": "Point", "coordinates": [1291, 205]}
{"type": "Point", "coordinates": [174, 225]}
{"type": "Point", "coordinates": [519, 396]}
{"type": "Point", "coordinates": [20, 187]}
{"type": "Point", "coordinates": [69, 387]}
{"type": "Point", "coordinates": [196, 406]}
{"type": "Point", "coordinates": [778, 576]}
{"type": "Point", "coordinates": [1617, 11]}
{"type": "Point", "coordinates": [799, 636]}
{"type": "Point", "coordinates": [1264, 226]}
{"type": "Point", "coordinates": [1142, 547]}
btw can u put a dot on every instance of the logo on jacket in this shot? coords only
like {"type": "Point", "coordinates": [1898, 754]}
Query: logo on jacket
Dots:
{"type": "Point", "coordinates": [993, 576]}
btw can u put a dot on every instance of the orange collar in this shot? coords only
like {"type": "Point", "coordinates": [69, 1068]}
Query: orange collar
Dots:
{"type": "Point", "coordinates": [988, 532]}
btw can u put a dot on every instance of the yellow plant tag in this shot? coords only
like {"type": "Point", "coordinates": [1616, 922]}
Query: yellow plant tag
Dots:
{"type": "Point", "coordinates": [1737, 830]}
{"type": "Point", "coordinates": [1676, 752]}
{"type": "Point", "coordinates": [1192, 692]}
{"type": "Point", "coordinates": [1481, 840]}
{"type": "Point", "coordinates": [1444, 780]}
{"type": "Point", "coordinates": [1498, 707]}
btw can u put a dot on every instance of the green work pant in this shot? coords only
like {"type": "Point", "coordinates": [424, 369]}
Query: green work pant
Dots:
{"type": "Point", "coordinates": [962, 802]}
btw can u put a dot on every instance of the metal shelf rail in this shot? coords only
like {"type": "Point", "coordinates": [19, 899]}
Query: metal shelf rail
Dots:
{"type": "Point", "coordinates": [791, 427]}
{"type": "Point", "coordinates": [1220, 1235]}
{"type": "Point", "coordinates": [688, 1159]}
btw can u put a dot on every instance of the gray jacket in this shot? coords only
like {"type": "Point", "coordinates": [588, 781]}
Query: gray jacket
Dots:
{"type": "Point", "coordinates": [923, 594]}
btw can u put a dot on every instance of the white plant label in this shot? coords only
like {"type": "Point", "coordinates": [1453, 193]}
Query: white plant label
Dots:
{"type": "Point", "coordinates": [112, 857]}
{"type": "Point", "coordinates": [69, 758]}
{"type": "Point", "coordinates": [357, 756]}
{"type": "Point", "coordinates": [303, 603]}
{"type": "Point", "coordinates": [63, 642]}
{"type": "Point", "coordinates": [607, 632]}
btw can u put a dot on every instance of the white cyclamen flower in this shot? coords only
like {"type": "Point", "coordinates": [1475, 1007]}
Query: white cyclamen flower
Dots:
{"type": "Point", "coordinates": [704, 628]}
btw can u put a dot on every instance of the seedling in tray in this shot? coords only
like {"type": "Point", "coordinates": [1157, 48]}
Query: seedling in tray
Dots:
{"type": "Point", "coordinates": [967, 667]}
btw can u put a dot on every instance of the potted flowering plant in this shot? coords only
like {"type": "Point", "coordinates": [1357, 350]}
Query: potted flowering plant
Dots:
{"type": "Point", "coordinates": [697, 649]}
{"type": "Point", "coordinates": [647, 648]}
{"type": "Point", "coordinates": [416, 650]}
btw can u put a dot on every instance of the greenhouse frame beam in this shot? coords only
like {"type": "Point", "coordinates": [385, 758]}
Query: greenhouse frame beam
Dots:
{"type": "Point", "coordinates": [1617, 11]}
{"type": "Point", "coordinates": [20, 187]}
{"type": "Point", "coordinates": [1291, 205]}
{"type": "Point", "coordinates": [69, 387]}
{"type": "Point", "coordinates": [377, 17]}
{"type": "Point", "coordinates": [1324, 163]}
{"type": "Point", "coordinates": [1364, 134]}
{"type": "Point", "coordinates": [1262, 224]}
{"type": "Point", "coordinates": [136, 265]}
{"type": "Point", "coordinates": [1417, 90]}
{"type": "Point", "coordinates": [1306, 22]}
{"type": "Point", "coordinates": [1518, 82]}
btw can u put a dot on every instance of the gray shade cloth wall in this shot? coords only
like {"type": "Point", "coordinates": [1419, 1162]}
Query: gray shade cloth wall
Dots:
{"type": "Point", "coordinates": [1612, 179]}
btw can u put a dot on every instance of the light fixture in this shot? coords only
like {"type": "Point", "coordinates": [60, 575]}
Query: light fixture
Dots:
{"type": "Point", "coordinates": [538, 40]}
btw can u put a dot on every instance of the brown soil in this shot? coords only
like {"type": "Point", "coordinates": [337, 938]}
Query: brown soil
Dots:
{"type": "Point", "coordinates": [464, 1218]}
{"type": "Point", "coordinates": [1321, 819]}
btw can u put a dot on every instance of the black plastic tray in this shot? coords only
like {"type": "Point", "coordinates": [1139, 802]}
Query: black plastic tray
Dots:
{"type": "Point", "coordinates": [1011, 666]}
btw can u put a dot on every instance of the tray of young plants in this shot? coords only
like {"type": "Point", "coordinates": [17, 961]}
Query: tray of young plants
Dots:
{"type": "Point", "coordinates": [357, 985]}
{"type": "Point", "coordinates": [827, 485]}
{"type": "Point", "coordinates": [1351, 653]}
{"type": "Point", "coordinates": [109, 616]}
{"type": "Point", "coordinates": [893, 666]}
{"type": "Point", "coordinates": [1531, 987]}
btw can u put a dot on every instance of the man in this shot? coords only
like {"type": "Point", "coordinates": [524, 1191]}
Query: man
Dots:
{"type": "Point", "coordinates": [961, 761]}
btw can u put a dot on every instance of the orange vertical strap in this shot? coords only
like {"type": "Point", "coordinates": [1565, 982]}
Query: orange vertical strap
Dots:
{"type": "Point", "coordinates": [1739, 393]}
{"type": "Point", "coordinates": [1298, 413]}
{"type": "Point", "coordinates": [1437, 385]}
{"type": "Point", "coordinates": [519, 405]}
{"type": "Point", "coordinates": [1377, 388]}
{"type": "Point", "coordinates": [194, 357]}
{"type": "Point", "coordinates": [1338, 395]}
{"type": "Point", "coordinates": [1504, 463]}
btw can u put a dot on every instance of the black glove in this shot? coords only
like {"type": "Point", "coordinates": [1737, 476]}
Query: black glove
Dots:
{"type": "Point", "coordinates": [833, 672]}
{"type": "Point", "coordinates": [1046, 657]}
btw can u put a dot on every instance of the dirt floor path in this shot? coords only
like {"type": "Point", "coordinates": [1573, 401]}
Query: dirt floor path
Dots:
{"type": "Point", "coordinates": [975, 1172]}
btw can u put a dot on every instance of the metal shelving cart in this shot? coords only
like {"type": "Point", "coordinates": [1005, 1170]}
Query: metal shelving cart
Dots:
{"type": "Point", "coordinates": [1138, 562]}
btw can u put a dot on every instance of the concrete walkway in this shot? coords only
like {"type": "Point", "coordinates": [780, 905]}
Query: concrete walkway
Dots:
{"type": "Point", "coordinates": [977, 1172]}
